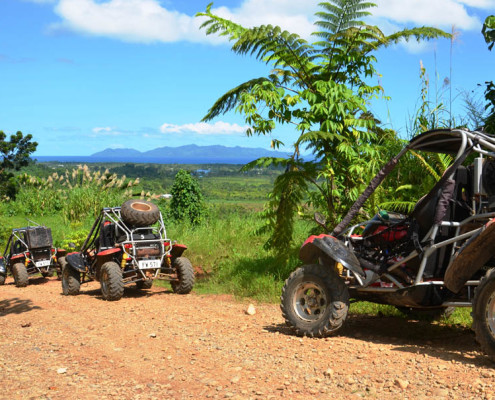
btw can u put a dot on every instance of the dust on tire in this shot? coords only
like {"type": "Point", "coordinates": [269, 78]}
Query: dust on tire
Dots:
{"type": "Point", "coordinates": [484, 313]}
{"type": "Point", "coordinates": [139, 213]}
{"type": "Point", "coordinates": [334, 301]}
{"type": "Point", "coordinates": [185, 275]}
{"type": "Point", "coordinates": [71, 279]}
{"type": "Point", "coordinates": [20, 274]}
{"type": "Point", "coordinates": [112, 284]}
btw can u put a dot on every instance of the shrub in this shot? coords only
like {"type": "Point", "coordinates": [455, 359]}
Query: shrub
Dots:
{"type": "Point", "coordinates": [187, 202]}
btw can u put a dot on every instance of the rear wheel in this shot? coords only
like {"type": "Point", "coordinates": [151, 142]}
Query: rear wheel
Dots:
{"type": "Point", "coordinates": [21, 277]}
{"type": "Point", "coordinates": [484, 314]}
{"type": "Point", "coordinates": [112, 285]}
{"type": "Point", "coordinates": [139, 213]}
{"type": "Point", "coordinates": [2, 279]}
{"type": "Point", "coordinates": [185, 275]}
{"type": "Point", "coordinates": [71, 279]}
{"type": "Point", "coordinates": [146, 284]}
{"type": "Point", "coordinates": [314, 301]}
{"type": "Point", "coordinates": [427, 314]}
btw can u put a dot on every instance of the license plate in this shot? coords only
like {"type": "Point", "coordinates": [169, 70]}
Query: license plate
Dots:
{"type": "Point", "coordinates": [149, 264]}
{"type": "Point", "coordinates": [41, 264]}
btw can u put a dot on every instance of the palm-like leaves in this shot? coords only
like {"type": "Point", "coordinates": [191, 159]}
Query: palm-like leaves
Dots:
{"type": "Point", "coordinates": [320, 88]}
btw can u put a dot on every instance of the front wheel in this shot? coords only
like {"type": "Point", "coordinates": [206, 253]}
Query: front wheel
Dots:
{"type": "Point", "coordinates": [314, 301]}
{"type": "Point", "coordinates": [185, 276]}
{"type": "Point", "coordinates": [112, 284]}
{"type": "Point", "coordinates": [484, 314]}
{"type": "Point", "coordinates": [2, 279]}
{"type": "Point", "coordinates": [71, 279]}
{"type": "Point", "coordinates": [21, 277]}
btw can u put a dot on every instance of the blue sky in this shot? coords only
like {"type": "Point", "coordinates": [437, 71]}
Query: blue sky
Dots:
{"type": "Point", "coordinates": [84, 75]}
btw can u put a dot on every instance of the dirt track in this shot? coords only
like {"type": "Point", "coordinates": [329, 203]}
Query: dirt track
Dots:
{"type": "Point", "coordinates": [156, 345]}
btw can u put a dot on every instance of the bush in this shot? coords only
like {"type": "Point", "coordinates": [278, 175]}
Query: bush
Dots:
{"type": "Point", "coordinates": [187, 202]}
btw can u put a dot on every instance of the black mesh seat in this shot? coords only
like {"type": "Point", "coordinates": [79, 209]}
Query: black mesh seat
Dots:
{"type": "Point", "coordinates": [107, 235]}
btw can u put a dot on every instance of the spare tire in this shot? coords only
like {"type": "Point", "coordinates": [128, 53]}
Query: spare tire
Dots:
{"type": "Point", "coordinates": [139, 213]}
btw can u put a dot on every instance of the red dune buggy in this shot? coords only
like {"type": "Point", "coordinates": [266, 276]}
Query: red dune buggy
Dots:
{"type": "Point", "coordinates": [127, 245]}
{"type": "Point", "coordinates": [29, 251]}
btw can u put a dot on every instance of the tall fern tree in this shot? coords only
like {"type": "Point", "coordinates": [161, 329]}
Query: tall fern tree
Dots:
{"type": "Point", "coordinates": [320, 89]}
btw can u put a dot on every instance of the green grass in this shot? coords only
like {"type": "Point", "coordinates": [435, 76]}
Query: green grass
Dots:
{"type": "Point", "coordinates": [461, 316]}
{"type": "Point", "coordinates": [231, 255]}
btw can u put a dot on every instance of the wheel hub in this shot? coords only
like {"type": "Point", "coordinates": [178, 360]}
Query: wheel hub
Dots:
{"type": "Point", "coordinates": [310, 301]}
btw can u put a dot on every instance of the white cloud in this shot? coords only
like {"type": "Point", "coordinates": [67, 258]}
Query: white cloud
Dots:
{"type": "Point", "coordinates": [105, 131]}
{"type": "Point", "coordinates": [484, 4]}
{"type": "Point", "coordinates": [203, 128]}
{"type": "Point", "coordinates": [41, 1]}
{"type": "Point", "coordinates": [98, 129]}
{"type": "Point", "coordinates": [129, 20]}
{"type": "Point", "coordinates": [437, 13]}
{"type": "Point", "coordinates": [150, 21]}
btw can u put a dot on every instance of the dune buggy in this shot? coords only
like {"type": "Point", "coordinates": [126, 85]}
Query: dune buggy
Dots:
{"type": "Point", "coordinates": [127, 245]}
{"type": "Point", "coordinates": [440, 256]}
{"type": "Point", "coordinates": [29, 251]}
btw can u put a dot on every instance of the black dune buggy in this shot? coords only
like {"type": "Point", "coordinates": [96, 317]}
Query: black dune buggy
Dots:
{"type": "Point", "coordinates": [127, 245]}
{"type": "Point", "coordinates": [29, 251]}
{"type": "Point", "coordinates": [439, 257]}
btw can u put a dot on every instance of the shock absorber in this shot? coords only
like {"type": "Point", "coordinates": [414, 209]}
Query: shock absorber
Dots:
{"type": "Point", "coordinates": [123, 263]}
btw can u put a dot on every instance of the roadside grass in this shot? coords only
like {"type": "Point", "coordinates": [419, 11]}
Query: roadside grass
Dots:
{"type": "Point", "coordinates": [461, 316]}
{"type": "Point", "coordinates": [229, 255]}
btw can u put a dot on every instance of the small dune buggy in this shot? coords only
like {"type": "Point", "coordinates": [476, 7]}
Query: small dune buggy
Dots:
{"type": "Point", "coordinates": [127, 245]}
{"type": "Point", "coordinates": [29, 251]}
{"type": "Point", "coordinates": [439, 257]}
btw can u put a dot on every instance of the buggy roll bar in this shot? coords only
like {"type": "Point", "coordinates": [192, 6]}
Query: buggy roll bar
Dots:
{"type": "Point", "coordinates": [113, 214]}
{"type": "Point", "coordinates": [440, 140]}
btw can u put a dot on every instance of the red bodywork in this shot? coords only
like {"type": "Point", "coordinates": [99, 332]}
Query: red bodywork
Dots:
{"type": "Point", "coordinates": [177, 250]}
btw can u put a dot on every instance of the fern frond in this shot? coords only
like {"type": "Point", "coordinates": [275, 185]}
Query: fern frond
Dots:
{"type": "Point", "coordinates": [421, 33]}
{"type": "Point", "coordinates": [405, 207]}
{"type": "Point", "coordinates": [265, 162]}
{"type": "Point", "coordinates": [426, 165]}
{"type": "Point", "coordinates": [221, 26]}
{"type": "Point", "coordinates": [230, 99]}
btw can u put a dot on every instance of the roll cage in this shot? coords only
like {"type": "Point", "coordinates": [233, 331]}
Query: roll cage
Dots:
{"type": "Point", "coordinates": [109, 231]}
{"type": "Point", "coordinates": [439, 223]}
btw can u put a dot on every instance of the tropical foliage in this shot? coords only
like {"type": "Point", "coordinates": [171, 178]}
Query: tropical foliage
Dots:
{"type": "Point", "coordinates": [322, 89]}
{"type": "Point", "coordinates": [187, 202]}
{"type": "Point", "coordinates": [14, 154]}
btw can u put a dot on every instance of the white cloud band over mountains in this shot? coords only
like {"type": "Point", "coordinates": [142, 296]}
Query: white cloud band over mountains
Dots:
{"type": "Point", "coordinates": [150, 21]}
{"type": "Point", "coordinates": [203, 128]}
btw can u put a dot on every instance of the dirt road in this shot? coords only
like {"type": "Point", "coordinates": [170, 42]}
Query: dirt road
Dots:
{"type": "Point", "coordinates": [157, 345]}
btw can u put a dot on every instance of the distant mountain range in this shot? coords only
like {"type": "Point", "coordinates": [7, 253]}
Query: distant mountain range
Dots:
{"type": "Point", "coordinates": [189, 154]}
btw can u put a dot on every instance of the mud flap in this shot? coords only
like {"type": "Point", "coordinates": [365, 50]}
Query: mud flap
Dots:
{"type": "Point", "coordinates": [315, 246]}
{"type": "Point", "coordinates": [471, 257]}
{"type": "Point", "coordinates": [76, 261]}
